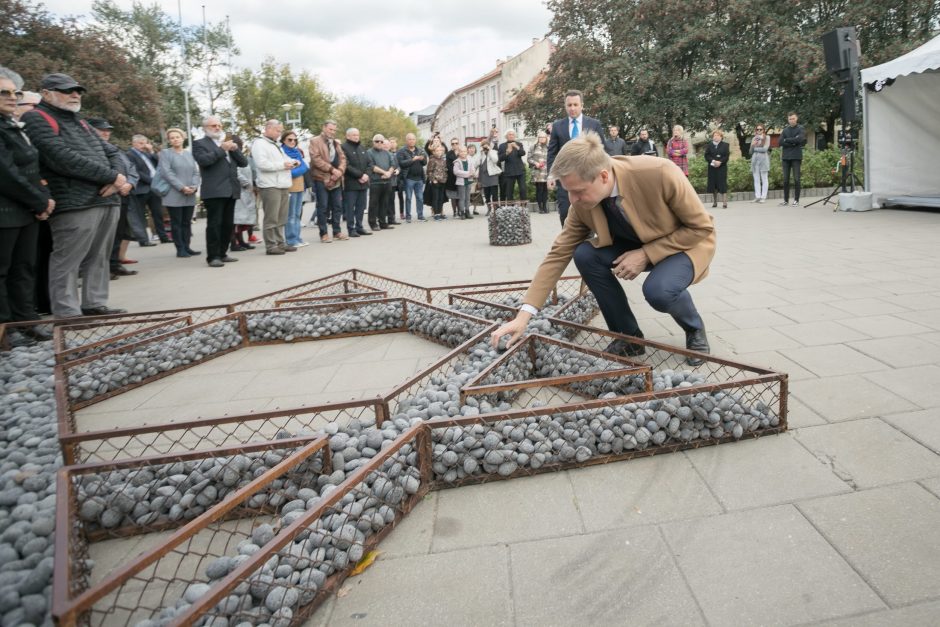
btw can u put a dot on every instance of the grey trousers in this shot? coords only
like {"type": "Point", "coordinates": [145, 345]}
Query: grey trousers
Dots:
{"type": "Point", "coordinates": [275, 202]}
{"type": "Point", "coordinates": [81, 247]}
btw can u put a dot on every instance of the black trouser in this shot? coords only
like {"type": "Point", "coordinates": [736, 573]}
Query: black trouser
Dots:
{"type": "Point", "coordinates": [122, 232]}
{"type": "Point", "coordinates": [793, 164]}
{"type": "Point", "coordinates": [154, 202]}
{"type": "Point", "coordinates": [491, 193]}
{"type": "Point", "coordinates": [181, 226]}
{"type": "Point", "coordinates": [390, 205]}
{"type": "Point", "coordinates": [379, 196]}
{"type": "Point", "coordinates": [17, 272]}
{"type": "Point", "coordinates": [509, 182]}
{"type": "Point", "coordinates": [561, 200]}
{"type": "Point", "coordinates": [437, 198]}
{"type": "Point", "coordinates": [665, 289]}
{"type": "Point", "coordinates": [400, 192]}
{"type": "Point", "coordinates": [220, 223]}
{"type": "Point", "coordinates": [43, 251]}
{"type": "Point", "coordinates": [541, 196]}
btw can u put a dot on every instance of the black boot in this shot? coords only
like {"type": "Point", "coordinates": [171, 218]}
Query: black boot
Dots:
{"type": "Point", "coordinates": [696, 340]}
{"type": "Point", "coordinates": [624, 348]}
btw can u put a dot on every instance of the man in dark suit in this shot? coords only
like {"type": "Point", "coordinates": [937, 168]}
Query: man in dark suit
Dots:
{"type": "Point", "coordinates": [564, 129]}
{"type": "Point", "coordinates": [218, 160]}
{"type": "Point", "coordinates": [146, 163]}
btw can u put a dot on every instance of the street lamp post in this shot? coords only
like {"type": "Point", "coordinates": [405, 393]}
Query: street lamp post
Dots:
{"type": "Point", "coordinates": [292, 114]}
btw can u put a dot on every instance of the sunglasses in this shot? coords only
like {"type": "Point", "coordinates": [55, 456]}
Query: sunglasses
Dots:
{"type": "Point", "coordinates": [70, 90]}
{"type": "Point", "coordinates": [291, 139]}
{"type": "Point", "coordinates": [10, 93]}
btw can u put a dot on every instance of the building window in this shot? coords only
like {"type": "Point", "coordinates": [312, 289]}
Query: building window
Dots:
{"type": "Point", "coordinates": [499, 91]}
{"type": "Point", "coordinates": [463, 102]}
{"type": "Point", "coordinates": [493, 94]}
{"type": "Point", "coordinates": [493, 123]}
{"type": "Point", "coordinates": [473, 101]}
{"type": "Point", "coordinates": [473, 129]}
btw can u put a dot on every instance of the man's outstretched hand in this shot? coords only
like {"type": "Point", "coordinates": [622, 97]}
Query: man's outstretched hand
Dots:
{"type": "Point", "coordinates": [515, 328]}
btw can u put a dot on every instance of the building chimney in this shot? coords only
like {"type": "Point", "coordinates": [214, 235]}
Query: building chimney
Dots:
{"type": "Point", "coordinates": [535, 40]}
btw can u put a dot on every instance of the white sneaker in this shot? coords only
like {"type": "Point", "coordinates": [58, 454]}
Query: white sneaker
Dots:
{"type": "Point", "coordinates": [784, 203]}
{"type": "Point", "coordinates": [302, 244]}
{"type": "Point", "coordinates": [794, 204]}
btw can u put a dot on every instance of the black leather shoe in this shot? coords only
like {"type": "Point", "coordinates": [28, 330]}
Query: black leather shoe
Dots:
{"type": "Point", "coordinates": [363, 232]}
{"type": "Point", "coordinates": [228, 259]}
{"type": "Point", "coordinates": [696, 340]}
{"type": "Point", "coordinates": [101, 311]}
{"type": "Point", "coordinates": [626, 349]}
{"type": "Point", "coordinates": [353, 234]}
{"type": "Point", "coordinates": [147, 244]}
{"type": "Point", "coordinates": [216, 263]}
{"type": "Point", "coordinates": [193, 252]}
{"type": "Point", "coordinates": [122, 271]}
{"type": "Point", "coordinates": [386, 227]}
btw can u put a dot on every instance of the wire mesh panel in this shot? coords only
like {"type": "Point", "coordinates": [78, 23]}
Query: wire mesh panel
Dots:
{"type": "Point", "coordinates": [101, 375]}
{"type": "Point", "coordinates": [213, 543]}
{"type": "Point", "coordinates": [566, 288]}
{"type": "Point", "coordinates": [394, 288]}
{"type": "Point", "coordinates": [121, 334]}
{"type": "Point", "coordinates": [485, 447]}
{"type": "Point", "coordinates": [208, 433]}
{"type": "Point", "coordinates": [314, 322]}
{"type": "Point", "coordinates": [442, 326]}
{"type": "Point", "coordinates": [338, 292]}
{"type": "Point", "coordinates": [266, 301]}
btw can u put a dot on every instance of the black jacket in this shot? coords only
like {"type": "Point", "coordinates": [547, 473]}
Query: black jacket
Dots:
{"type": "Point", "coordinates": [22, 194]}
{"type": "Point", "coordinates": [647, 147]}
{"type": "Point", "coordinates": [720, 153]}
{"type": "Point", "coordinates": [512, 163]}
{"type": "Point", "coordinates": [143, 185]}
{"type": "Point", "coordinates": [792, 140]}
{"type": "Point", "coordinates": [411, 169]}
{"type": "Point", "coordinates": [560, 135]}
{"type": "Point", "coordinates": [72, 158]}
{"type": "Point", "coordinates": [219, 175]}
{"type": "Point", "coordinates": [356, 165]}
{"type": "Point", "coordinates": [449, 158]}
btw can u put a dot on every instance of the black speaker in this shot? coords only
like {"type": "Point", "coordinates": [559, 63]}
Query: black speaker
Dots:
{"type": "Point", "coordinates": [841, 51]}
{"type": "Point", "coordinates": [849, 101]}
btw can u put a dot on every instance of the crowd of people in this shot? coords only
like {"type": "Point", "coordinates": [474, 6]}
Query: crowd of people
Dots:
{"type": "Point", "coordinates": [71, 202]}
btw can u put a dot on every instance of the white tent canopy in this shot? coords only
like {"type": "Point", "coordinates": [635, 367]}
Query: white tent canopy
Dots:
{"type": "Point", "coordinates": [902, 137]}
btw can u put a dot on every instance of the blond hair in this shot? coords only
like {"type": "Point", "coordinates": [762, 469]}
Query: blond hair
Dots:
{"type": "Point", "coordinates": [583, 157]}
{"type": "Point", "coordinates": [173, 129]}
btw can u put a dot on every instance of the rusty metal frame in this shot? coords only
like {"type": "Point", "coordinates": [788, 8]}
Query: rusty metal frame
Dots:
{"type": "Point", "coordinates": [72, 443]}
{"type": "Point", "coordinates": [76, 352]}
{"type": "Point", "coordinates": [345, 284]}
{"type": "Point", "coordinates": [478, 385]}
{"type": "Point", "coordinates": [267, 298]}
{"type": "Point", "coordinates": [496, 287]}
{"type": "Point", "coordinates": [68, 607]}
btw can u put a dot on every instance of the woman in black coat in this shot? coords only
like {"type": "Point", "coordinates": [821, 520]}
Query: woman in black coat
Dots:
{"type": "Point", "coordinates": [717, 153]}
{"type": "Point", "coordinates": [24, 201]}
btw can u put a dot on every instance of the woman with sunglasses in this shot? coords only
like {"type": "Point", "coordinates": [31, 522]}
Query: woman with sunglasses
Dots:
{"type": "Point", "coordinates": [24, 201]}
{"type": "Point", "coordinates": [760, 163]}
{"type": "Point", "coordinates": [296, 203]}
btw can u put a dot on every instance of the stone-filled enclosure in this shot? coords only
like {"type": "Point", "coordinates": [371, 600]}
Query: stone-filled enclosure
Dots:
{"type": "Point", "coordinates": [266, 513]}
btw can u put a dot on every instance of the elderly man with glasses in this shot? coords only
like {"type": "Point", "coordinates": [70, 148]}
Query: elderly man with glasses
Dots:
{"type": "Point", "coordinates": [85, 177]}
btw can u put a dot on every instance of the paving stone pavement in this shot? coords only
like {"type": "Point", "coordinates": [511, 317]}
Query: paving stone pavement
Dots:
{"type": "Point", "coordinates": [835, 522]}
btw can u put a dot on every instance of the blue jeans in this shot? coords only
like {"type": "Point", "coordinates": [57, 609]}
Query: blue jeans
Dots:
{"type": "Point", "coordinates": [354, 205]}
{"type": "Point", "coordinates": [329, 208]}
{"type": "Point", "coordinates": [294, 209]}
{"type": "Point", "coordinates": [415, 187]}
{"type": "Point", "coordinates": [665, 288]}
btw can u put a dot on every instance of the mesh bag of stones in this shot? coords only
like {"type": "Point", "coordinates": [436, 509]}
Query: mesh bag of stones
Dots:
{"type": "Point", "coordinates": [323, 541]}
{"type": "Point", "coordinates": [313, 323]}
{"type": "Point", "coordinates": [510, 226]}
{"type": "Point", "coordinates": [574, 437]}
{"type": "Point", "coordinates": [159, 495]}
{"type": "Point", "coordinates": [112, 371]}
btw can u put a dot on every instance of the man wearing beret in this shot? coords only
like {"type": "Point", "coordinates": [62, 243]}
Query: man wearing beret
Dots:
{"type": "Point", "coordinates": [86, 180]}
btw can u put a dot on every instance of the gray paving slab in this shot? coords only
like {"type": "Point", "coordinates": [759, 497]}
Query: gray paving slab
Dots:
{"type": "Point", "coordinates": [832, 360]}
{"type": "Point", "coordinates": [811, 312]}
{"type": "Point", "coordinates": [412, 536]}
{"type": "Point", "coordinates": [933, 485]}
{"type": "Point", "coordinates": [754, 318]}
{"type": "Point", "coordinates": [751, 568]}
{"type": "Point", "coordinates": [469, 587]}
{"type": "Point", "coordinates": [884, 326]}
{"type": "Point", "coordinates": [752, 340]}
{"type": "Point", "coordinates": [526, 508]}
{"type": "Point", "coordinates": [820, 332]}
{"type": "Point", "coordinates": [891, 536]}
{"type": "Point", "coordinates": [799, 415]}
{"type": "Point", "coordinates": [920, 615]}
{"type": "Point", "coordinates": [868, 453]}
{"type": "Point", "coordinates": [766, 471]}
{"type": "Point", "coordinates": [609, 578]}
{"type": "Point", "coordinates": [867, 306]}
{"type": "Point", "coordinates": [917, 384]}
{"type": "Point", "coordinates": [848, 397]}
{"type": "Point", "coordinates": [900, 352]}
{"type": "Point", "coordinates": [773, 360]}
{"type": "Point", "coordinates": [643, 491]}
{"type": "Point", "coordinates": [923, 426]}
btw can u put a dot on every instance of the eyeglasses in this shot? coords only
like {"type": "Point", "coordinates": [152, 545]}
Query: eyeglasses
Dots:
{"type": "Point", "coordinates": [291, 139]}
{"type": "Point", "coordinates": [10, 93]}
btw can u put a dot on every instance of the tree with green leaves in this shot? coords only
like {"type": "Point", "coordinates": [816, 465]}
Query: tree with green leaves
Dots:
{"type": "Point", "coordinates": [259, 95]}
{"type": "Point", "coordinates": [209, 50]}
{"type": "Point", "coordinates": [34, 43]}
{"type": "Point", "coordinates": [371, 119]}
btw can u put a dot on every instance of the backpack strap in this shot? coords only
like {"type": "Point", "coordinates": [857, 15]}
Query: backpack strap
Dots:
{"type": "Point", "coordinates": [51, 120]}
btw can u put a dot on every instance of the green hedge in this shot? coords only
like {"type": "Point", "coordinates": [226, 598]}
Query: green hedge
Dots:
{"type": "Point", "coordinates": [818, 170]}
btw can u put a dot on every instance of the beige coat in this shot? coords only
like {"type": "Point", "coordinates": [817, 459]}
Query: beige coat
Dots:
{"type": "Point", "coordinates": [663, 209]}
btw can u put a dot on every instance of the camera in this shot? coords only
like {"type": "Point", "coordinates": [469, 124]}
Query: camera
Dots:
{"type": "Point", "coordinates": [846, 137]}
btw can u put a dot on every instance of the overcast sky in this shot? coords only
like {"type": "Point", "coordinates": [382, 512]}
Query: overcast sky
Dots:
{"type": "Point", "coordinates": [405, 53]}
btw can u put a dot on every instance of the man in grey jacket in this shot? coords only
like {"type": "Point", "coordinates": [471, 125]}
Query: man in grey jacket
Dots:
{"type": "Point", "coordinates": [381, 167]}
